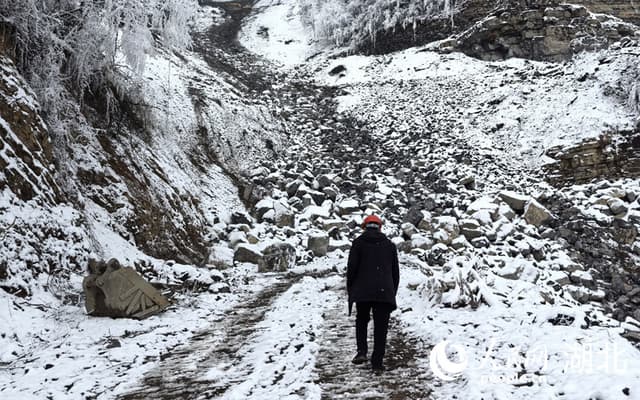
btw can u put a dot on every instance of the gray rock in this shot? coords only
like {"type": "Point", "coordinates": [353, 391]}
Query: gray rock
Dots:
{"type": "Point", "coordinates": [318, 197]}
{"type": "Point", "coordinates": [331, 193]}
{"type": "Point", "coordinates": [277, 257]}
{"type": "Point", "coordinates": [579, 294]}
{"type": "Point", "coordinates": [516, 201]}
{"type": "Point", "coordinates": [318, 243]}
{"type": "Point", "coordinates": [631, 196]}
{"type": "Point", "coordinates": [425, 223]}
{"type": "Point", "coordinates": [343, 245]}
{"type": "Point", "coordinates": [469, 224]}
{"type": "Point", "coordinates": [597, 295]}
{"type": "Point", "coordinates": [408, 230]}
{"type": "Point", "coordinates": [241, 218]}
{"type": "Point", "coordinates": [405, 246]}
{"type": "Point", "coordinates": [446, 229]}
{"type": "Point", "coordinates": [285, 220]}
{"type": "Point", "coordinates": [307, 200]}
{"type": "Point", "coordinates": [413, 216]}
{"type": "Point", "coordinates": [471, 234]}
{"type": "Point", "coordinates": [468, 182]}
{"type": "Point", "coordinates": [561, 278]}
{"type": "Point", "coordinates": [634, 292]}
{"type": "Point", "coordinates": [622, 300]}
{"type": "Point", "coordinates": [535, 214]}
{"type": "Point", "coordinates": [328, 224]}
{"type": "Point", "coordinates": [459, 243]}
{"type": "Point", "coordinates": [252, 239]}
{"type": "Point", "coordinates": [292, 187]}
{"type": "Point", "coordinates": [237, 237]}
{"type": "Point", "coordinates": [430, 204]}
{"type": "Point", "coordinates": [263, 207]}
{"type": "Point", "coordinates": [284, 215]}
{"type": "Point", "coordinates": [506, 211]}
{"type": "Point", "coordinates": [582, 278]}
{"type": "Point", "coordinates": [323, 181]}
{"type": "Point", "coordinates": [247, 253]}
{"type": "Point", "coordinates": [421, 242]}
{"type": "Point", "coordinates": [617, 206]}
{"type": "Point", "coordinates": [480, 242]}
{"type": "Point", "coordinates": [348, 206]}
{"type": "Point", "coordinates": [296, 203]}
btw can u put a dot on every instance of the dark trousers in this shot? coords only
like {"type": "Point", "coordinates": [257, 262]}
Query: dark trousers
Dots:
{"type": "Point", "coordinates": [381, 312]}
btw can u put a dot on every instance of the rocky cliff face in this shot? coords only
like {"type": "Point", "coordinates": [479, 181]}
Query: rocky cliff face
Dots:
{"type": "Point", "coordinates": [623, 9]}
{"type": "Point", "coordinates": [534, 29]}
{"type": "Point", "coordinates": [26, 154]}
{"type": "Point", "coordinates": [467, 13]}
{"type": "Point", "coordinates": [40, 235]}
{"type": "Point", "coordinates": [540, 30]}
{"type": "Point", "coordinates": [596, 158]}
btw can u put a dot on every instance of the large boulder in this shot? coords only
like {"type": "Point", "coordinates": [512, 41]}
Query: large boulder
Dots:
{"type": "Point", "coordinates": [470, 229]}
{"type": "Point", "coordinates": [516, 201]}
{"type": "Point", "coordinates": [348, 206]}
{"type": "Point", "coordinates": [318, 243]}
{"type": "Point", "coordinates": [278, 212]}
{"type": "Point", "coordinates": [284, 215]}
{"type": "Point", "coordinates": [445, 229]}
{"type": "Point", "coordinates": [241, 218]}
{"type": "Point", "coordinates": [535, 214]}
{"type": "Point", "coordinates": [617, 206]}
{"type": "Point", "coordinates": [414, 216]}
{"type": "Point", "coordinates": [277, 257]}
{"type": "Point", "coordinates": [247, 253]}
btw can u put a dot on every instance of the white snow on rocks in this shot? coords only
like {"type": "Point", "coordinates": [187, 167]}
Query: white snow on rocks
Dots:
{"type": "Point", "coordinates": [516, 108]}
{"type": "Point", "coordinates": [512, 348]}
{"type": "Point", "coordinates": [276, 31]}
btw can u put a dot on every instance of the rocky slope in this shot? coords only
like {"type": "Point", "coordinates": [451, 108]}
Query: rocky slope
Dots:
{"type": "Point", "coordinates": [41, 235]}
{"type": "Point", "coordinates": [150, 184]}
{"type": "Point", "coordinates": [498, 255]}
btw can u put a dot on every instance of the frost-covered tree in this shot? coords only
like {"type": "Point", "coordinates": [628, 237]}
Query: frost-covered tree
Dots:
{"type": "Point", "coordinates": [68, 48]}
{"type": "Point", "coordinates": [353, 22]}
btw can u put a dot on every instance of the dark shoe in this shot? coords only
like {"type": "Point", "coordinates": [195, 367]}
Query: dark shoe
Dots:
{"type": "Point", "coordinates": [360, 358]}
{"type": "Point", "coordinates": [378, 370]}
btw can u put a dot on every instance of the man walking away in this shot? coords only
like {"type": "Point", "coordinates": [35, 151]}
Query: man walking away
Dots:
{"type": "Point", "coordinates": [372, 282]}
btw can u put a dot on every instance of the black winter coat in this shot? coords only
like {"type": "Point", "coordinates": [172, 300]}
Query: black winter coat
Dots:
{"type": "Point", "coordinates": [373, 273]}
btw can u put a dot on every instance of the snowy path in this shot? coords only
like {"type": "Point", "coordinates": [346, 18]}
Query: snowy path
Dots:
{"type": "Point", "coordinates": [254, 351]}
{"type": "Point", "coordinates": [406, 375]}
{"type": "Point", "coordinates": [180, 374]}
{"type": "Point", "coordinates": [262, 349]}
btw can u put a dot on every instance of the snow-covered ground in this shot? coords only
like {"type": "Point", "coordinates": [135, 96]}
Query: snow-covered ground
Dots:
{"type": "Point", "coordinates": [277, 32]}
{"type": "Point", "coordinates": [53, 351]}
{"type": "Point", "coordinates": [519, 108]}
{"type": "Point", "coordinates": [491, 318]}
{"type": "Point", "coordinates": [510, 349]}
